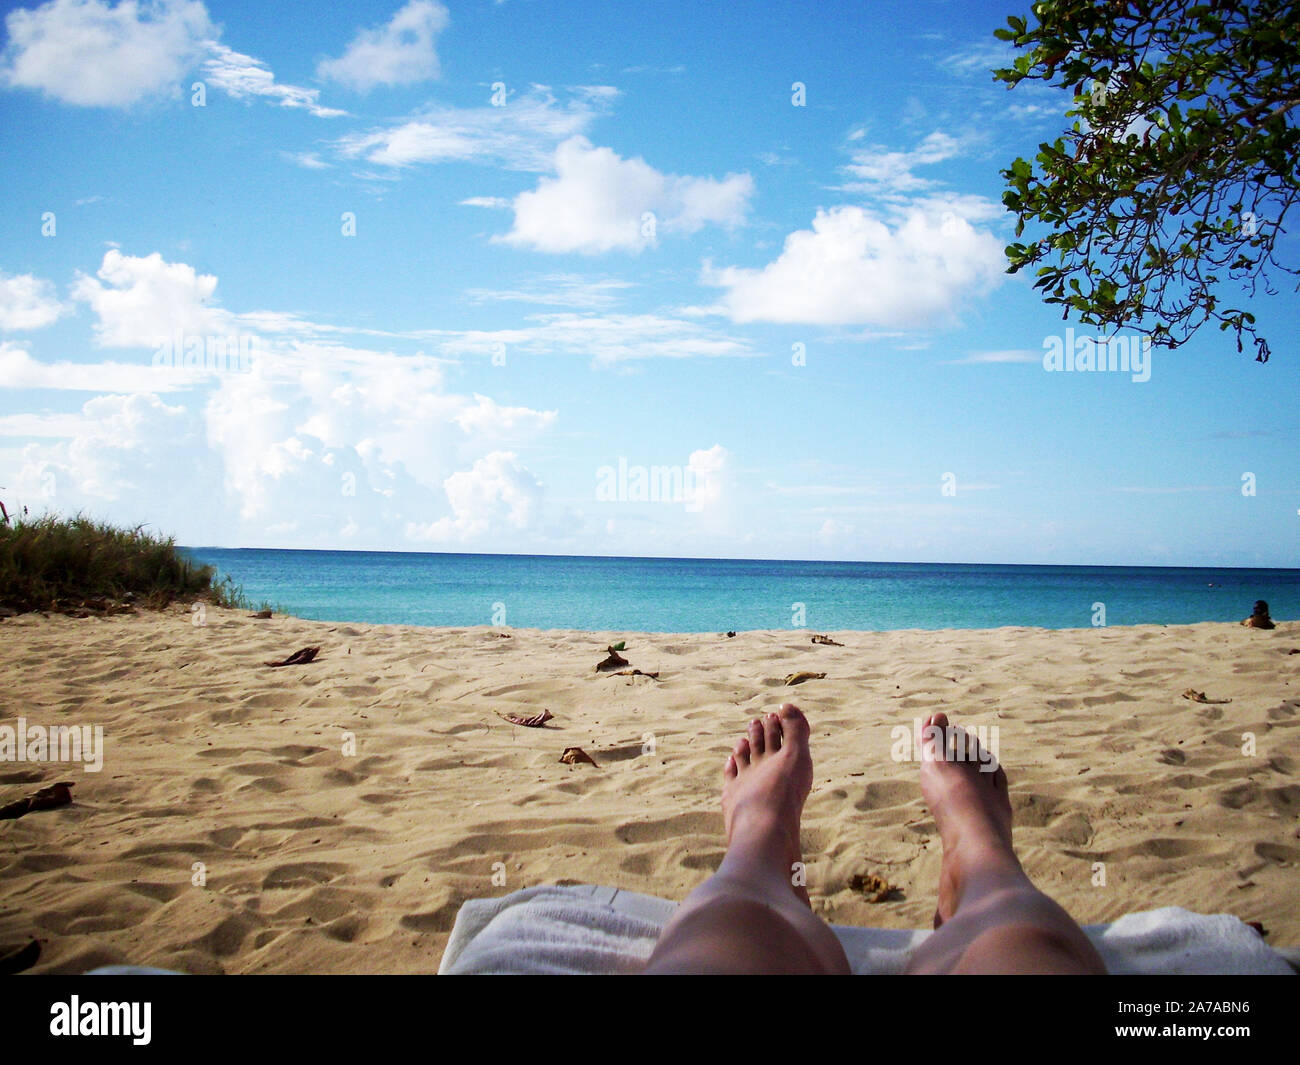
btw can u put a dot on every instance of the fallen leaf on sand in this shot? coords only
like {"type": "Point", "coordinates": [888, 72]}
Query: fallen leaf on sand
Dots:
{"type": "Point", "coordinates": [614, 661]}
{"type": "Point", "coordinates": [536, 721]}
{"type": "Point", "coordinates": [803, 675]}
{"type": "Point", "coordinates": [47, 798]}
{"type": "Point", "coordinates": [299, 658]}
{"type": "Point", "coordinates": [819, 638]}
{"type": "Point", "coordinates": [636, 673]}
{"type": "Point", "coordinates": [875, 888]}
{"type": "Point", "coordinates": [261, 614]}
{"type": "Point", "coordinates": [1200, 697]}
{"type": "Point", "coordinates": [574, 755]}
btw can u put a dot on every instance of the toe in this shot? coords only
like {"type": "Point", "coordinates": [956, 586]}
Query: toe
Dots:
{"type": "Point", "coordinates": [756, 739]}
{"type": "Point", "coordinates": [934, 738]}
{"type": "Point", "coordinates": [771, 733]}
{"type": "Point", "coordinates": [740, 754]}
{"type": "Point", "coordinates": [729, 769]}
{"type": "Point", "coordinates": [794, 726]}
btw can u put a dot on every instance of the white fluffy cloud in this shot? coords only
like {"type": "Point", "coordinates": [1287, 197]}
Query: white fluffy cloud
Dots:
{"type": "Point", "coordinates": [319, 442]}
{"type": "Point", "coordinates": [90, 53]}
{"type": "Point", "coordinates": [326, 412]}
{"type": "Point", "coordinates": [886, 179]}
{"type": "Point", "coordinates": [875, 168]}
{"type": "Point", "coordinates": [19, 370]}
{"type": "Point", "coordinates": [139, 300]}
{"type": "Point", "coordinates": [243, 76]}
{"type": "Point", "coordinates": [134, 455]}
{"type": "Point", "coordinates": [97, 54]}
{"type": "Point", "coordinates": [365, 445]}
{"type": "Point", "coordinates": [495, 495]}
{"type": "Point", "coordinates": [600, 202]}
{"type": "Point", "coordinates": [708, 472]}
{"type": "Point", "coordinates": [852, 268]}
{"type": "Point", "coordinates": [522, 135]}
{"type": "Point", "coordinates": [314, 442]}
{"type": "Point", "coordinates": [486, 417]}
{"type": "Point", "coordinates": [27, 302]}
{"type": "Point", "coordinates": [398, 53]}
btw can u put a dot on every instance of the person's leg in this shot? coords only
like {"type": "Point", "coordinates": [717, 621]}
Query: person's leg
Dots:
{"type": "Point", "coordinates": [990, 918]}
{"type": "Point", "coordinates": [749, 917]}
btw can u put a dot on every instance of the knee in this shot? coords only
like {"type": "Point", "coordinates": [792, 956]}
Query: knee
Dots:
{"type": "Point", "coordinates": [1019, 948]}
{"type": "Point", "coordinates": [733, 935]}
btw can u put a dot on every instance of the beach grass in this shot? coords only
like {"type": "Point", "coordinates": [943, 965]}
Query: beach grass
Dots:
{"type": "Point", "coordinates": [74, 564]}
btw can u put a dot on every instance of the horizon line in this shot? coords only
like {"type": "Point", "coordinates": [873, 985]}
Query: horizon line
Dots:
{"type": "Point", "coordinates": [721, 558]}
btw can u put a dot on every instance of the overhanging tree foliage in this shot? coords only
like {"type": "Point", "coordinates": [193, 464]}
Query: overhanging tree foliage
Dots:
{"type": "Point", "coordinates": [1179, 169]}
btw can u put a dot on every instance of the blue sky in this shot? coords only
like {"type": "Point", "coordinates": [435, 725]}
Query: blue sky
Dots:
{"type": "Point", "coordinates": [481, 254]}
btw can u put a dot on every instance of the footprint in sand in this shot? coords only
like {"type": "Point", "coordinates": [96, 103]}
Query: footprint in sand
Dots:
{"type": "Point", "coordinates": [1235, 798]}
{"type": "Point", "coordinates": [886, 794]}
{"type": "Point", "coordinates": [619, 754]}
{"type": "Point", "coordinates": [1032, 810]}
{"type": "Point", "coordinates": [1073, 828]}
{"type": "Point", "coordinates": [346, 929]}
{"type": "Point", "coordinates": [40, 862]}
{"type": "Point", "coordinates": [638, 864]}
{"type": "Point", "coordinates": [228, 936]}
{"type": "Point", "coordinates": [270, 785]}
{"type": "Point", "coordinates": [302, 874]}
{"type": "Point", "coordinates": [1160, 848]}
{"type": "Point", "coordinates": [439, 920]}
{"type": "Point", "coordinates": [705, 860]}
{"type": "Point", "coordinates": [293, 754]}
{"type": "Point", "coordinates": [338, 913]}
{"type": "Point", "coordinates": [1277, 854]}
{"type": "Point", "coordinates": [688, 824]}
{"type": "Point", "coordinates": [1285, 799]}
{"type": "Point", "coordinates": [157, 892]}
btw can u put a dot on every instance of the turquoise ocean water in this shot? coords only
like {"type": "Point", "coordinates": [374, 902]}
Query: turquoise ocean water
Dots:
{"type": "Point", "coordinates": [715, 595]}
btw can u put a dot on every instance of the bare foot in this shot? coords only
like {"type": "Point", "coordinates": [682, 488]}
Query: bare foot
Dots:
{"type": "Point", "coordinates": [752, 915]}
{"type": "Point", "coordinates": [768, 776]}
{"type": "Point", "coordinates": [972, 808]}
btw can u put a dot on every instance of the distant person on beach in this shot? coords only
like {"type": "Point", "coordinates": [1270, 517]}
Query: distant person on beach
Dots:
{"type": "Point", "coordinates": [1259, 618]}
{"type": "Point", "coordinates": [748, 918]}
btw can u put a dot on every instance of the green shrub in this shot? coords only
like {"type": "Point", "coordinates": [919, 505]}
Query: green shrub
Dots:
{"type": "Point", "coordinates": [69, 564]}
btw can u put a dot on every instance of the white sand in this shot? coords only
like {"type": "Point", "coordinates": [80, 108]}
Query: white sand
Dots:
{"type": "Point", "coordinates": [319, 860]}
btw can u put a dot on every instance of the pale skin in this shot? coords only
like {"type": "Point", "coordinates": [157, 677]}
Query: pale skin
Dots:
{"type": "Point", "coordinates": [751, 917]}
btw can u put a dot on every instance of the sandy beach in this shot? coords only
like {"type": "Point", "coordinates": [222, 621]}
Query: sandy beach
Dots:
{"type": "Point", "coordinates": [332, 817]}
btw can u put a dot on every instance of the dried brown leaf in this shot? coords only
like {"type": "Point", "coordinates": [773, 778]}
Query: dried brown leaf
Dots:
{"type": "Point", "coordinates": [299, 658]}
{"type": "Point", "coordinates": [536, 721]}
{"type": "Point", "coordinates": [875, 888]}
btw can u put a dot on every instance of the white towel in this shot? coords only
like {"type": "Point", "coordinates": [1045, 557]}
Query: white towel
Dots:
{"type": "Point", "coordinates": [588, 929]}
